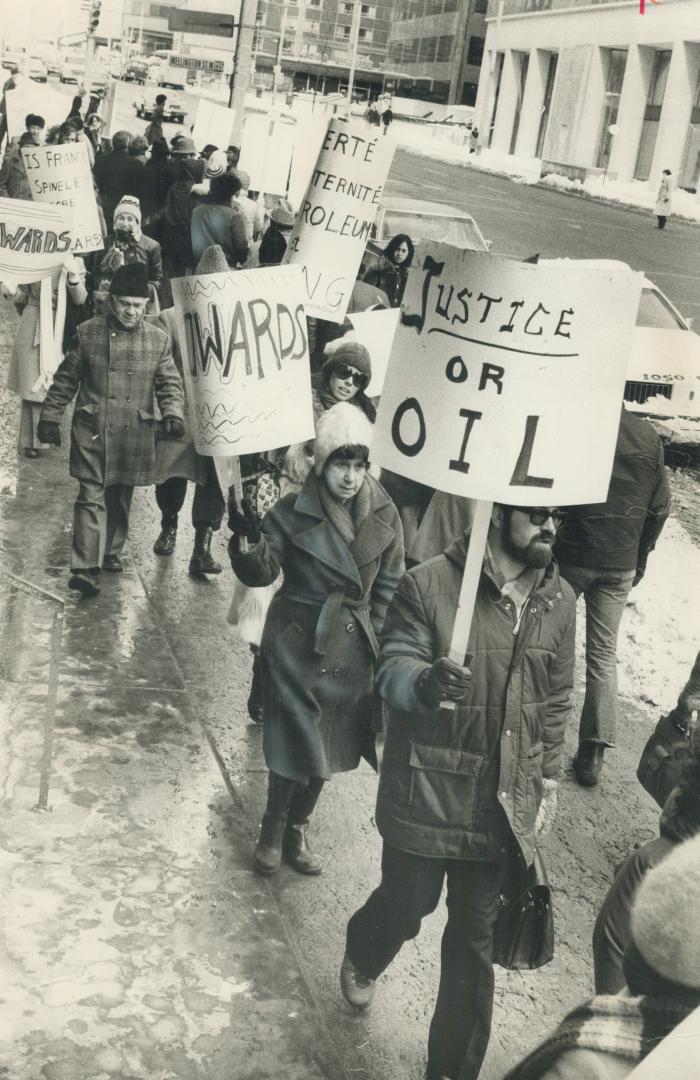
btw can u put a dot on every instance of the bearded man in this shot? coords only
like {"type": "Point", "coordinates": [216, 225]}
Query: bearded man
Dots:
{"type": "Point", "coordinates": [120, 366]}
{"type": "Point", "coordinates": [463, 793]}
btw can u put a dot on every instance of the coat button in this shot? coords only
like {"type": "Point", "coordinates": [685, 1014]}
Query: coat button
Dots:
{"type": "Point", "coordinates": [336, 673]}
{"type": "Point", "coordinates": [324, 671]}
{"type": "Point", "coordinates": [508, 734]}
{"type": "Point", "coordinates": [350, 628]}
{"type": "Point", "coordinates": [504, 794]}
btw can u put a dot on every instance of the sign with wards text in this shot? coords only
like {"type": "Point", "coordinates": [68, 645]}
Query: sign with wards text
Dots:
{"type": "Point", "coordinates": [34, 240]}
{"type": "Point", "coordinates": [336, 215]}
{"type": "Point", "coordinates": [245, 359]}
{"type": "Point", "coordinates": [506, 379]}
{"type": "Point", "coordinates": [61, 175]}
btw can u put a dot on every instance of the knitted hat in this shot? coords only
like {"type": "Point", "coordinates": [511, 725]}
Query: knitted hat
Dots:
{"type": "Point", "coordinates": [282, 213]}
{"type": "Point", "coordinates": [213, 261]}
{"type": "Point", "coordinates": [342, 425]}
{"type": "Point", "coordinates": [665, 924]}
{"type": "Point", "coordinates": [130, 280]}
{"type": "Point", "coordinates": [128, 204]}
{"type": "Point", "coordinates": [347, 351]}
{"type": "Point", "coordinates": [217, 164]}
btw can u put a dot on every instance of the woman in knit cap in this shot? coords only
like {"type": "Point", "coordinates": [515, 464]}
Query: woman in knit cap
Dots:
{"type": "Point", "coordinates": [345, 376]}
{"type": "Point", "coordinates": [339, 544]}
{"type": "Point", "coordinates": [126, 244]}
{"type": "Point", "coordinates": [605, 1038]}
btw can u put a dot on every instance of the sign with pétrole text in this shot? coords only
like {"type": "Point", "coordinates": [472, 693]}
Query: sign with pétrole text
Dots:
{"type": "Point", "coordinates": [506, 379]}
{"type": "Point", "coordinates": [34, 240]}
{"type": "Point", "coordinates": [245, 359]}
{"type": "Point", "coordinates": [61, 175]}
{"type": "Point", "coordinates": [335, 217]}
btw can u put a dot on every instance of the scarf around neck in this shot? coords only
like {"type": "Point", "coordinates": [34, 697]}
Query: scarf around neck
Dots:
{"type": "Point", "coordinates": [346, 517]}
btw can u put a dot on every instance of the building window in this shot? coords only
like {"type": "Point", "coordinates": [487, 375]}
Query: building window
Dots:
{"type": "Point", "coordinates": [480, 8]}
{"type": "Point", "coordinates": [343, 32]}
{"type": "Point", "coordinates": [469, 93]}
{"type": "Point", "coordinates": [444, 49]}
{"type": "Point", "coordinates": [364, 35]}
{"type": "Point", "coordinates": [475, 51]}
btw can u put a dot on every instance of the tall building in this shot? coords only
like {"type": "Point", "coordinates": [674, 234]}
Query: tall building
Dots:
{"type": "Point", "coordinates": [588, 86]}
{"type": "Point", "coordinates": [438, 45]}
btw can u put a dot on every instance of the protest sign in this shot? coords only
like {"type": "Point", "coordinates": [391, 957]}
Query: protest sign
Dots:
{"type": "Point", "coordinates": [34, 240]}
{"type": "Point", "coordinates": [61, 175]}
{"type": "Point", "coordinates": [266, 151]}
{"type": "Point", "coordinates": [309, 134]}
{"type": "Point", "coordinates": [375, 330]}
{"type": "Point", "coordinates": [31, 97]}
{"type": "Point", "coordinates": [335, 218]}
{"type": "Point", "coordinates": [506, 379]}
{"type": "Point", "coordinates": [246, 359]}
{"type": "Point", "coordinates": [212, 125]}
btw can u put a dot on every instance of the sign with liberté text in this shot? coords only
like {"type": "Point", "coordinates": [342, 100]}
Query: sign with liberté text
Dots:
{"type": "Point", "coordinates": [34, 240]}
{"type": "Point", "coordinates": [335, 218]}
{"type": "Point", "coordinates": [61, 175]}
{"type": "Point", "coordinates": [506, 379]}
{"type": "Point", "coordinates": [245, 350]}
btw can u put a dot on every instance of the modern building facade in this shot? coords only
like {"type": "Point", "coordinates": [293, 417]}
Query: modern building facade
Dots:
{"type": "Point", "coordinates": [439, 45]}
{"type": "Point", "coordinates": [595, 85]}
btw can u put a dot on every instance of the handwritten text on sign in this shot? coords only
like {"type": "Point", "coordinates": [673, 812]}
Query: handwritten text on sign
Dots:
{"type": "Point", "coordinates": [337, 213]}
{"type": "Point", "coordinates": [61, 175]}
{"type": "Point", "coordinates": [34, 240]}
{"type": "Point", "coordinates": [505, 380]}
{"type": "Point", "coordinates": [246, 359]}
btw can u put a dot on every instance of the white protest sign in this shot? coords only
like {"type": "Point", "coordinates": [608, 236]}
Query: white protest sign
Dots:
{"type": "Point", "coordinates": [31, 97]}
{"type": "Point", "coordinates": [309, 134]}
{"type": "Point", "coordinates": [34, 240]}
{"type": "Point", "coordinates": [245, 359]}
{"type": "Point", "coordinates": [266, 152]}
{"type": "Point", "coordinates": [61, 175]}
{"type": "Point", "coordinates": [506, 379]}
{"type": "Point", "coordinates": [335, 217]}
{"type": "Point", "coordinates": [375, 330]}
{"type": "Point", "coordinates": [212, 125]}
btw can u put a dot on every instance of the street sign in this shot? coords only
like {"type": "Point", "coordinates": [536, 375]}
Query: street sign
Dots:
{"type": "Point", "coordinates": [214, 23]}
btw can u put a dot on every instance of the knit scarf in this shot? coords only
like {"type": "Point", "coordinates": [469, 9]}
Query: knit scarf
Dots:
{"type": "Point", "coordinates": [629, 1027]}
{"type": "Point", "coordinates": [348, 516]}
{"type": "Point", "coordinates": [50, 329]}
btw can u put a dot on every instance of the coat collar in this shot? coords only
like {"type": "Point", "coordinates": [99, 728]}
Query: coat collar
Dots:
{"type": "Point", "coordinates": [548, 589]}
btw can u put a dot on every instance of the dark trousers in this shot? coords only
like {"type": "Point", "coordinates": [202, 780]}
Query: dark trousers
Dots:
{"type": "Point", "coordinates": [661, 218]}
{"type": "Point", "coordinates": [207, 505]}
{"type": "Point", "coordinates": [410, 889]}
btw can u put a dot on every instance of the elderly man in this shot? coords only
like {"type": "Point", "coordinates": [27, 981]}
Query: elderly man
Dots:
{"type": "Point", "coordinates": [461, 792]}
{"type": "Point", "coordinates": [118, 364]}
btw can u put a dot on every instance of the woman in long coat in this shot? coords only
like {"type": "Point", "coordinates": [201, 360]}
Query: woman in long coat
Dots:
{"type": "Point", "coordinates": [662, 207]}
{"type": "Point", "coordinates": [340, 545]}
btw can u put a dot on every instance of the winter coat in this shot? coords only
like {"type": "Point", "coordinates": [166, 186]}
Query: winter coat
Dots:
{"type": "Point", "coordinates": [612, 933]}
{"type": "Point", "coordinates": [25, 367]}
{"type": "Point", "coordinates": [178, 457]}
{"type": "Point", "coordinates": [619, 533]}
{"type": "Point", "coordinates": [662, 207]}
{"type": "Point", "coordinates": [154, 131]}
{"type": "Point", "coordinates": [388, 277]}
{"type": "Point", "coordinates": [14, 183]}
{"type": "Point", "coordinates": [223, 225]}
{"type": "Point", "coordinates": [117, 174]}
{"type": "Point", "coordinates": [320, 638]}
{"type": "Point", "coordinates": [103, 264]}
{"type": "Point", "coordinates": [447, 777]}
{"type": "Point", "coordinates": [125, 381]}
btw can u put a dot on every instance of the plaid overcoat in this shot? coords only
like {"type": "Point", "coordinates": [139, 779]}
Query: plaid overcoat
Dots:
{"type": "Point", "coordinates": [126, 380]}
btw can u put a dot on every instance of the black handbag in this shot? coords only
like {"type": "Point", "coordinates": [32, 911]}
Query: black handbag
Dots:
{"type": "Point", "coordinates": [664, 758]}
{"type": "Point", "coordinates": [523, 935]}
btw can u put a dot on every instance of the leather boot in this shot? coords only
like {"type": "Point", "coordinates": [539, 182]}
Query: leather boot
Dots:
{"type": "Point", "coordinates": [165, 544]}
{"type": "Point", "coordinates": [268, 850]}
{"type": "Point", "coordinates": [297, 852]}
{"type": "Point", "coordinates": [202, 561]}
{"type": "Point", "coordinates": [588, 762]}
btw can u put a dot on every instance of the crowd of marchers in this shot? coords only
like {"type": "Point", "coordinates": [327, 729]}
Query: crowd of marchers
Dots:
{"type": "Point", "coordinates": [347, 584]}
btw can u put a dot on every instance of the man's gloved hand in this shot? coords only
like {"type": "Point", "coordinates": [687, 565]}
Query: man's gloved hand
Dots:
{"type": "Point", "coordinates": [444, 681]}
{"type": "Point", "coordinates": [172, 427]}
{"type": "Point", "coordinates": [48, 431]}
{"type": "Point", "coordinates": [548, 808]}
{"type": "Point", "coordinates": [638, 575]}
{"type": "Point", "coordinates": [243, 522]}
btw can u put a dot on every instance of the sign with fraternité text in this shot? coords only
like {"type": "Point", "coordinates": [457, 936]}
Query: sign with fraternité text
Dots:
{"type": "Point", "coordinates": [505, 380]}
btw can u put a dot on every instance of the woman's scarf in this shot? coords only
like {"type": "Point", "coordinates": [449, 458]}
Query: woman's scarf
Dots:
{"type": "Point", "coordinates": [50, 329]}
{"type": "Point", "coordinates": [347, 517]}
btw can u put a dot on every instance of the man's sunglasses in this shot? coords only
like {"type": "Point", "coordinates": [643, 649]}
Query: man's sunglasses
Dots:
{"type": "Point", "coordinates": [343, 371]}
{"type": "Point", "coordinates": [539, 514]}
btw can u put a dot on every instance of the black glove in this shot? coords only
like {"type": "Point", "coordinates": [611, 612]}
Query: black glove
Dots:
{"type": "Point", "coordinates": [444, 681]}
{"type": "Point", "coordinates": [48, 431]}
{"type": "Point", "coordinates": [172, 427]}
{"type": "Point", "coordinates": [243, 522]}
{"type": "Point", "coordinates": [638, 575]}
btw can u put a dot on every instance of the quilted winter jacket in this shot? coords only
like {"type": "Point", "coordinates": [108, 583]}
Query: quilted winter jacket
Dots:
{"type": "Point", "coordinates": [445, 774]}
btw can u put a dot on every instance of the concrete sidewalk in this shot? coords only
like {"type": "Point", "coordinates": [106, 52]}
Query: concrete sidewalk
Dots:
{"type": "Point", "coordinates": [136, 943]}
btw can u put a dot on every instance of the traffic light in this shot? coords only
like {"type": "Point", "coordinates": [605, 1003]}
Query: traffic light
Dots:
{"type": "Point", "coordinates": [94, 15]}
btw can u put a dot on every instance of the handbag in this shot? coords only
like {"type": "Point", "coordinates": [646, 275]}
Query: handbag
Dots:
{"type": "Point", "coordinates": [523, 935]}
{"type": "Point", "coordinates": [664, 758]}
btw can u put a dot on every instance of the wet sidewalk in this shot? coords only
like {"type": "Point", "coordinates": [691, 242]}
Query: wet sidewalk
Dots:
{"type": "Point", "coordinates": [136, 942]}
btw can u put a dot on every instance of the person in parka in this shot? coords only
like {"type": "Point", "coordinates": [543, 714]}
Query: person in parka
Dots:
{"type": "Point", "coordinates": [462, 793]}
{"type": "Point", "coordinates": [340, 545]}
{"type": "Point", "coordinates": [119, 366]}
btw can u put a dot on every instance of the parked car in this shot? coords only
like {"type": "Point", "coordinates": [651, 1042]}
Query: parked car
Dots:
{"type": "Point", "coordinates": [53, 67]}
{"type": "Point", "coordinates": [12, 58]}
{"type": "Point", "coordinates": [99, 79]}
{"type": "Point", "coordinates": [173, 113]}
{"type": "Point", "coordinates": [36, 69]}
{"type": "Point", "coordinates": [72, 71]}
{"type": "Point", "coordinates": [136, 71]}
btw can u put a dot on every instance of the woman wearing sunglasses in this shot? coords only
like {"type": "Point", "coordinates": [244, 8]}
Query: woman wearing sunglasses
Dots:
{"type": "Point", "coordinates": [345, 377]}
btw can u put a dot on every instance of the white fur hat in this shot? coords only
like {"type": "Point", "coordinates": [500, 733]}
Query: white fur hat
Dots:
{"type": "Point", "coordinates": [341, 425]}
{"type": "Point", "coordinates": [665, 923]}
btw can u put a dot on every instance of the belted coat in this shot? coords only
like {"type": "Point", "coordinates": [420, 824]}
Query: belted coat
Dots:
{"type": "Point", "coordinates": [319, 643]}
{"type": "Point", "coordinates": [464, 784]}
{"type": "Point", "coordinates": [125, 381]}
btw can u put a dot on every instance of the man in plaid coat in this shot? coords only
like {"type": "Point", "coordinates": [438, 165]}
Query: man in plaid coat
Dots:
{"type": "Point", "coordinates": [122, 370]}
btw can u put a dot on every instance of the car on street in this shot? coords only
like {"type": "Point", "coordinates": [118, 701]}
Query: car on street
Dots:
{"type": "Point", "coordinates": [99, 79]}
{"type": "Point", "coordinates": [12, 58]}
{"type": "Point", "coordinates": [136, 70]}
{"type": "Point", "coordinates": [173, 113]}
{"type": "Point", "coordinates": [36, 69]}
{"type": "Point", "coordinates": [53, 67]}
{"type": "Point", "coordinates": [72, 70]}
